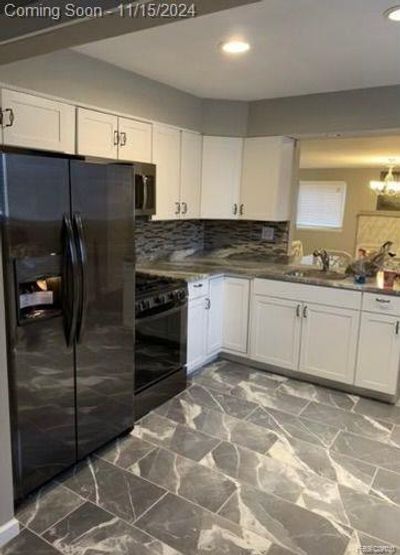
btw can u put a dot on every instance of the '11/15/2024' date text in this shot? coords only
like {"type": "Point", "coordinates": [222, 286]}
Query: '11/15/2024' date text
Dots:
{"type": "Point", "coordinates": [158, 9]}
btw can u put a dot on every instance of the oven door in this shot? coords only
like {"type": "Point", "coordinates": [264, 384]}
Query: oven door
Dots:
{"type": "Point", "coordinates": [161, 335]}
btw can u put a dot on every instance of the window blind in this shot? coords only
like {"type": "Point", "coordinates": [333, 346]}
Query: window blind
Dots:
{"type": "Point", "coordinates": [321, 204]}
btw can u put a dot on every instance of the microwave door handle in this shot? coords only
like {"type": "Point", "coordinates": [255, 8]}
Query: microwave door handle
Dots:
{"type": "Point", "coordinates": [145, 191]}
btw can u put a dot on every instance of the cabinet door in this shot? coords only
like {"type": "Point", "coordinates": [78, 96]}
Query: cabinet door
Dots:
{"type": "Point", "coordinates": [34, 122]}
{"type": "Point", "coordinates": [97, 134]}
{"type": "Point", "coordinates": [221, 174]}
{"type": "Point", "coordinates": [197, 333]}
{"type": "Point", "coordinates": [275, 331]}
{"type": "Point", "coordinates": [329, 342]}
{"type": "Point", "coordinates": [267, 179]}
{"type": "Point", "coordinates": [190, 175]}
{"type": "Point", "coordinates": [215, 316]}
{"type": "Point", "coordinates": [166, 156]}
{"type": "Point", "coordinates": [135, 140]}
{"type": "Point", "coordinates": [236, 314]}
{"type": "Point", "coordinates": [378, 353]}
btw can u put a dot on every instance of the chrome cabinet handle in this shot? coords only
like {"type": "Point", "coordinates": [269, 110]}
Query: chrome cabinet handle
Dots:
{"type": "Point", "coordinates": [11, 117]}
{"type": "Point", "coordinates": [184, 208]}
{"type": "Point", "coordinates": [116, 138]}
{"type": "Point", "coordinates": [208, 304]}
{"type": "Point", "coordinates": [178, 208]}
{"type": "Point", "coordinates": [383, 301]}
{"type": "Point", "coordinates": [235, 209]}
{"type": "Point", "coordinates": [241, 211]}
{"type": "Point", "coordinates": [298, 307]}
{"type": "Point", "coordinates": [397, 328]}
{"type": "Point", "coordinates": [198, 285]}
{"type": "Point", "coordinates": [123, 138]}
{"type": "Point", "coordinates": [305, 311]}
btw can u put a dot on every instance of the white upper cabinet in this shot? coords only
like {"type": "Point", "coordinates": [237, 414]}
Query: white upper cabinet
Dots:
{"type": "Point", "coordinates": [267, 178]}
{"type": "Point", "coordinates": [379, 353]}
{"type": "Point", "coordinates": [34, 122]}
{"type": "Point", "coordinates": [236, 314]}
{"type": "Point", "coordinates": [190, 194]}
{"type": "Point", "coordinates": [135, 140]}
{"type": "Point", "coordinates": [97, 134]}
{"type": "Point", "coordinates": [167, 156]}
{"type": "Point", "coordinates": [329, 342]}
{"type": "Point", "coordinates": [221, 175]}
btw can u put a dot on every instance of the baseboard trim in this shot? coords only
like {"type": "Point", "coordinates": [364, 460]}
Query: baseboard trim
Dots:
{"type": "Point", "coordinates": [8, 531]}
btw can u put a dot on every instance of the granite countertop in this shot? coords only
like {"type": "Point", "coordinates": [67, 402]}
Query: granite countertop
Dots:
{"type": "Point", "coordinates": [195, 268]}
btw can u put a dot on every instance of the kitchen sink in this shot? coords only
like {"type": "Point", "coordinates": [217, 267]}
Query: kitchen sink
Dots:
{"type": "Point", "coordinates": [315, 273]}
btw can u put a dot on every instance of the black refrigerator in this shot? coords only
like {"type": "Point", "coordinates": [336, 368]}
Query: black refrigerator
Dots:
{"type": "Point", "coordinates": [67, 228]}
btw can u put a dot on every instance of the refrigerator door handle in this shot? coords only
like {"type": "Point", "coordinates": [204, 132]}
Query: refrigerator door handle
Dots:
{"type": "Point", "coordinates": [71, 282]}
{"type": "Point", "coordinates": [82, 256]}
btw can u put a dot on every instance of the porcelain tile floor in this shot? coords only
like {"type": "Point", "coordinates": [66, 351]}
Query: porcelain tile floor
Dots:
{"type": "Point", "coordinates": [241, 463]}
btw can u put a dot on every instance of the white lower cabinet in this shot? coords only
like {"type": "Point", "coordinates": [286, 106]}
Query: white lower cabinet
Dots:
{"type": "Point", "coordinates": [236, 314]}
{"type": "Point", "coordinates": [197, 333]}
{"type": "Point", "coordinates": [215, 316]}
{"type": "Point", "coordinates": [379, 353]}
{"type": "Point", "coordinates": [329, 342]}
{"type": "Point", "coordinates": [276, 331]}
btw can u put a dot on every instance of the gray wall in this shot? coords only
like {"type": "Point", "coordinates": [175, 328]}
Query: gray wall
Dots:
{"type": "Point", "coordinates": [358, 198]}
{"type": "Point", "coordinates": [6, 483]}
{"type": "Point", "coordinates": [357, 110]}
{"type": "Point", "coordinates": [226, 117]}
{"type": "Point", "coordinates": [79, 78]}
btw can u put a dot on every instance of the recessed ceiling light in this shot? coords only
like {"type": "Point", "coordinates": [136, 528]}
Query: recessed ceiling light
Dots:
{"type": "Point", "coordinates": [393, 13]}
{"type": "Point", "coordinates": [235, 47]}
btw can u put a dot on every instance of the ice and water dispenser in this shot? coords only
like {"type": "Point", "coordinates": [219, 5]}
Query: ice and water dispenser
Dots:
{"type": "Point", "coordinates": [38, 287]}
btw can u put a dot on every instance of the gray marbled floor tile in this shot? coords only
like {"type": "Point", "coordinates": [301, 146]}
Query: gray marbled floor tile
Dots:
{"type": "Point", "coordinates": [320, 394]}
{"type": "Point", "coordinates": [371, 515]}
{"type": "Point", "coordinates": [181, 439]}
{"type": "Point", "coordinates": [395, 437]}
{"type": "Point", "coordinates": [232, 374]}
{"type": "Point", "coordinates": [212, 380]}
{"type": "Point", "coordinates": [288, 425]}
{"type": "Point", "coordinates": [249, 467]}
{"type": "Point", "coordinates": [27, 543]}
{"type": "Point", "coordinates": [349, 421]}
{"type": "Point", "coordinates": [322, 462]}
{"type": "Point", "coordinates": [286, 524]}
{"type": "Point", "coordinates": [368, 450]}
{"type": "Point", "coordinates": [46, 506]}
{"type": "Point", "coordinates": [218, 424]}
{"type": "Point", "coordinates": [387, 485]}
{"type": "Point", "coordinates": [269, 398]}
{"type": "Point", "coordinates": [91, 531]}
{"type": "Point", "coordinates": [212, 399]}
{"type": "Point", "coordinates": [112, 488]}
{"type": "Point", "coordinates": [125, 451]}
{"type": "Point", "coordinates": [186, 478]}
{"type": "Point", "coordinates": [376, 409]}
{"type": "Point", "coordinates": [362, 543]}
{"type": "Point", "coordinates": [195, 531]}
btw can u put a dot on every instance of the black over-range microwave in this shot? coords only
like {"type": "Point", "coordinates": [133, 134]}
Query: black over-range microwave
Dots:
{"type": "Point", "coordinates": [145, 189]}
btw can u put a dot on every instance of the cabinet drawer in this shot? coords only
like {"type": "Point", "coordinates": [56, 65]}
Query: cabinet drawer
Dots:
{"type": "Point", "coordinates": [384, 304]}
{"type": "Point", "coordinates": [198, 289]}
{"type": "Point", "coordinates": [300, 292]}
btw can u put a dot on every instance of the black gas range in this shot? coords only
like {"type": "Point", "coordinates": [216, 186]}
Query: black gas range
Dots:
{"type": "Point", "coordinates": [161, 337]}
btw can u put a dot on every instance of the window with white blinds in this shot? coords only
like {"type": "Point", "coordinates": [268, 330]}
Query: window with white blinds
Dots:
{"type": "Point", "coordinates": [321, 204]}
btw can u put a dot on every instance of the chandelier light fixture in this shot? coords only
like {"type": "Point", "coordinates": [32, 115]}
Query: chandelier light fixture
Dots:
{"type": "Point", "coordinates": [388, 186]}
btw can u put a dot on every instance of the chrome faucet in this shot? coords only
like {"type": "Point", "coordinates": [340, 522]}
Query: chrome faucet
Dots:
{"type": "Point", "coordinates": [324, 256]}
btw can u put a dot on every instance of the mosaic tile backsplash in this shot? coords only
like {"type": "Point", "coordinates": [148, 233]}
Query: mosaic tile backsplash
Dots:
{"type": "Point", "coordinates": [161, 239]}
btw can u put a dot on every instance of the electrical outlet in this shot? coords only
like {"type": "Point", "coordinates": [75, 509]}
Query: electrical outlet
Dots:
{"type": "Point", "coordinates": [268, 233]}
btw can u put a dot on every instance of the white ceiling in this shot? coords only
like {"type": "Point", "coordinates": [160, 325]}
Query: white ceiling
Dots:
{"type": "Point", "coordinates": [298, 47]}
{"type": "Point", "coordinates": [355, 152]}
